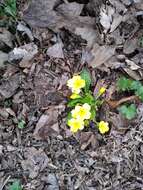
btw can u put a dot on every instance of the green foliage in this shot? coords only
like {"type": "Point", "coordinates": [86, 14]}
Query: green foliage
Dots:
{"type": "Point", "coordinates": [21, 124]}
{"type": "Point", "coordinates": [129, 112]}
{"type": "Point", "coordinates": [141, 41]}
{"type": "Point", "coordinates": [124, 84]}
{"type": "Point", "coordinates": [85, 105]}
{"type": "Point", "coordinates": [93, 113]}
{"type": "Point", "coordinates": [15, 186]}
{"type": "Point", "coordinates": [8, 8]}
{"type": "Point", "coordinates": [135, 85]}
{"type": "Point", "coordinates": [139, 93]}
{"type": "Point", "coordinates": [87, 77]}
{"type": "Point", "coordinates": [87, 98]}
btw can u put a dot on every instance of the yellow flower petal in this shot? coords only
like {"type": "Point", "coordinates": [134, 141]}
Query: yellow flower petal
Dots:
{"type": "Point", "coordinates": [102, 90]}
{"type": "Point", "coordinates": [76, 83]}
{"type": "Point", "coordinates": [75, 125]}
{"type": "Point", "coordinates": [75, 96]}
{"type": "Point", "coordinates": [103, 127]}
{"type": "Point", "coordinates": [81, 112]}
{"type": "Point", "coordinates": [86, 106]}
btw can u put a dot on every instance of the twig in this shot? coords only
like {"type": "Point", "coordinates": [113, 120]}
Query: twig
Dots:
{"type": "Point", "coordinates": [114, 103]}
{"type": "Point", "coordinates": [5, 182]}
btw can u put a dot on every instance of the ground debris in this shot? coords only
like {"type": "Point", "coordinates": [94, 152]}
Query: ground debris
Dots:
{"type": "Point", "coordinates": [9, 86]}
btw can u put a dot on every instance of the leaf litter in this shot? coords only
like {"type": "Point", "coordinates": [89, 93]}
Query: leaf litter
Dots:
{"type": "Point", "coordinates": [64, 37]}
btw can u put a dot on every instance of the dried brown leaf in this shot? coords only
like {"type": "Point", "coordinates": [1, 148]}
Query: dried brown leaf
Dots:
{"type": "Point", "coordinates": [48, 123]}
{"type": "Point", "coordinates": [101, 54]}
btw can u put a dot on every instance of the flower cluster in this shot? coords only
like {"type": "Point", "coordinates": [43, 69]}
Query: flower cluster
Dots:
{"type": "Point", "coordinates": [84, 104]}
{"type": "Point", "coordinates": [79, 114]}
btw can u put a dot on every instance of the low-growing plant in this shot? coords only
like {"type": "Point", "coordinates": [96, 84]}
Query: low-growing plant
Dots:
{"type": "Point", "coordinates": [15, 186]}
{"type": "Point", "coordinates": [21, 124]}
{"type": "Point", "coordinates": [128, 112]}
{"type": "Point", "coordinates": [83, 104]}
{"type": "Point", "coordinates": [136, 87]}
{"type": "Point", "coordinates": [8, 8]}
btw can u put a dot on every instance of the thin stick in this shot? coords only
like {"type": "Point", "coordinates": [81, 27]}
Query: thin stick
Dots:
{"type": "Point", "coordinates": [5, 182]}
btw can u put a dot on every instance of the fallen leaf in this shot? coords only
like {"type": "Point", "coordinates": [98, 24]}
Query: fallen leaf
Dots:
{"type": "Point", "coordinates": [23, 28]}
{"type": "Point", "coordinates": [3, 59]}
{"type": "Point", "coordinates": [120, 7]}
{"type": "Point", "coordinates": [26, 53]}
{"type": "Point", "coordinates": [135, 74]}
{"type": "Point", "coordinates": [5, 38]}
{"type": "Point", "coordinates": [86, 139]}
{"type": "Point", "coordinates": [88, 34]}
{"type": "Point", "coordinates": [48, 123]}
{"type": "Point", "coordinates": [56, 50]}
{"type": "Point", "coordinates": [117, 19]}
{"type": "Point", "coordinates": [106, 17]}
{"type": "Point", "coordinates": [70, 9]}
{"type": "Point", "coordinates": [52, 181]}
{"type": "Point", "coordinates": [3, 113]}
{"type": "Point", "coordinates": [101, 54]}
{"type": "Point", "coordinates": [35, 161]}
{"type": "Point", "coordinates": [41, 13]}
{"type": "Point", "coordinates": [9, 86]}
{"type": "Point", "coordinates": [139, 4]}
{"type": "Point", "coordinates": [133, 66]}
{"type": "Point", "coordinates": [130, 46]}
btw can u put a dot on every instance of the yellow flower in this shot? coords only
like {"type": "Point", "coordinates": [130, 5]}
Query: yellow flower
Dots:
{"type": "Point", "coordinates": [102, 90]}
{"type": "Point", "coordinates": [103, 127]}
{"type": "Point", "coordinates": [76, 83]}
{"type": "Point", "coordinates": [75, 124]}
{"type": "Point", "coordinates": [82, 112]}
{"type": "Point", "coordinates": [74, 96]}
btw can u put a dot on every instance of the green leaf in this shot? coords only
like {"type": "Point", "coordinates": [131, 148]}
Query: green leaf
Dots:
{"type": "Point", "coordinates": [93, 114]}
{"type": "Point", "coordinates": [139, 92]}
{"type": "Point", "coordinates": [128, 112]}
{"type": "Point", "coordinates": [72, 103]}
{"type": "Point", "coordinates": [85, 74]}
{"type": "Point", "coordinates": [135, 85]}
{"type": "Point", "coordinates": [9, 8]}
{"type": "Point", "coordinates": [69, 116]}
{"type": "Point", "coordinates": [124, 84]}
{"type": "Point", "coordinates": [21, 124]}
{"type": "Point", "coordinates": [88, 99]}
{"type": "Point", "coordinates": [15, 186]}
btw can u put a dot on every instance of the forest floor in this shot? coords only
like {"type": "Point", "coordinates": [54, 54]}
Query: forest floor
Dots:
{"type": "Point", "coordinates": [42, 46]}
